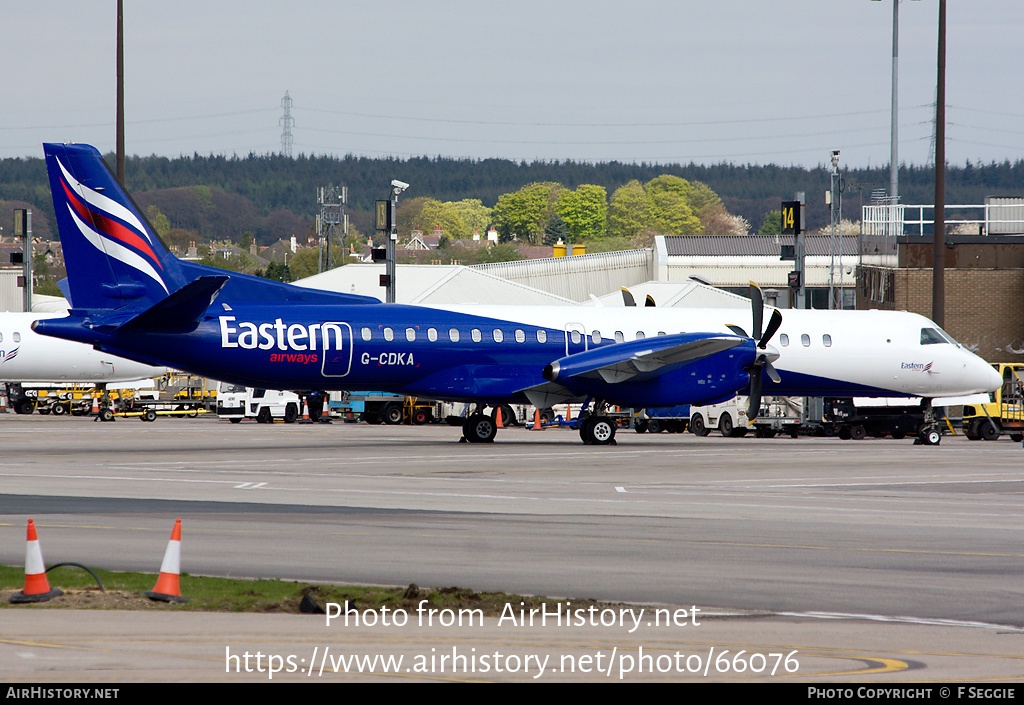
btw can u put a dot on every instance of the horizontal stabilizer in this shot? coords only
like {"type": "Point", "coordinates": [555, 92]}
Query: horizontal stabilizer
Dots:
{"type": "Point", "coordinates": [182, 311]}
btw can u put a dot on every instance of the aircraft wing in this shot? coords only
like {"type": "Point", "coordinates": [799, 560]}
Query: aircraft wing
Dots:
{"type": "Point", "coordinates": [640, 360]}
{"type": "Point", "coordinates": [544, 396]}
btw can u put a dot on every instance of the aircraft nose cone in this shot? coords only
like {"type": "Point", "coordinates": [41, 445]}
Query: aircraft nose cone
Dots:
{"type": "Point", "coordinates": [993, 380]}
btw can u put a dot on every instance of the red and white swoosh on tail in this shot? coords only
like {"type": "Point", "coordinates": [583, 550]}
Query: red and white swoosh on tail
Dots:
{"type": "Point", "coordinates": [115, 239]}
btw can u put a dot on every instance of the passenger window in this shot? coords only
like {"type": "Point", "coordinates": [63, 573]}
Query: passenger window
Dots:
{"type": "Point", "coordinates": [498, 335]}
{"type": "Point", "coordinates": [596, 337]}
{"type": "Point", "coordinates": [661, 332]}
{"type": "Point", "coordinates": [367, 334]}
{"type": "Point", "coordinates": [520, 336]}
{"type": "Point", "coordinates": [389, 334]}
{"type": "Point", "coordinates": [475, 333]}
{"type": "Point", "coordinates": [826, 340]}
{"type": "Point", "coordinates": [453, 334]}
{"type": "Point", "coordinates": [432, 334]}
{"type": "Point", "coordinates": [410, 334]}
{"type": "Point", "coordinates": [575, 337]}
{"type": "Point", "coordinates": [542, 336]}
{"type": "Point", "coordinates": [805, 340]}
{"type": "Point", "coordinates": [619, 337]}
{"type": "Point", "coordinates": [640, 335]}
{"type": "Point", "coordinates": [17, 337]}
{"type": "Point", "coordinates": [784, 339]}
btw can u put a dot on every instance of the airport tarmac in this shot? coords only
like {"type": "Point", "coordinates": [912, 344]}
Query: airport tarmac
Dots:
{"type": "Point", "coordinates": [870, 549]}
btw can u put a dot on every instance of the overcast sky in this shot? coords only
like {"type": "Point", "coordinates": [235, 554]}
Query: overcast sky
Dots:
{"type": "Point", "coordinates": [742, 81]}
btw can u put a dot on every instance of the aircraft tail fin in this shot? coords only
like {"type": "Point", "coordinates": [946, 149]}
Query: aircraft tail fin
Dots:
{"type": "Point", "coordinates": [119, 267]}
{"type": "Point", "coordinates": [115, 258]}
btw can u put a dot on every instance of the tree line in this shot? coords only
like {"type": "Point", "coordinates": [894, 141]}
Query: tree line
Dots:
{"type": "Point", "coordinates": [273, 196]}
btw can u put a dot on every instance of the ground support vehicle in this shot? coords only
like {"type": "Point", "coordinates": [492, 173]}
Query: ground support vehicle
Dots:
{"type": "Point", "coordinates": [1004, 415]}
{"type": "Point", "coordinates": [236, 402]}
{"type": "Point", "coordinates": [570, 416]}
{"type": "Point", "coordinates": [674, 419]}
{"type": "Point", "coordinates": [729, 417]}
{"type": "Point", "coordinates": [778, 415]}
{"type": "Point", "coordinates": [856, 418]}
{"type": "Point", "coordinates": [76, 399]}
{"type": "Point", "coordinates": [188, 393]}
{"type": "Point", "coordinates": [384, 407]}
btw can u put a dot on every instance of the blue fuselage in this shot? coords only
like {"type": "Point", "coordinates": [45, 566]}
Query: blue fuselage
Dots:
{"type": "Point", "coordinates": [404, 349]}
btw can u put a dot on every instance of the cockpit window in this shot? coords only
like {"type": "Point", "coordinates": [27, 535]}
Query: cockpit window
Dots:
{"type": "Point", "coordinates": [932, 336]}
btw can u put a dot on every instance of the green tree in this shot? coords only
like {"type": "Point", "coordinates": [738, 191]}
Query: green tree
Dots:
{"type": "Point", "coordinates": [474, 214]}
{"type": "Point", "coordinates": [585, 212]}
{"type": "Point", "coordinates": [241, 262]}
{"type": "Point", "coordinates": [524, 213]}
{"type": "Point", "coordinates": [772, 223]}
{"type": "Point", "coordinates": [246, 241]}
{"type": "Point", "coordinates": [304, 263]}
{"type": "Point", "coordinates": [671, 213]}
{"type": "Point", "coordinates": [158, 220]}
{"type": "Point", "coordinates": [277, 272]}
{"type": "Point", "coordinates": [555, 231]}
{"type": "Point", "coordinates": [629, 213]}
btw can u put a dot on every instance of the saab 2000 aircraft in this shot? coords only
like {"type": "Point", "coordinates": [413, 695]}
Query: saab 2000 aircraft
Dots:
{"type": "Point", "coordinates": [131, 297]}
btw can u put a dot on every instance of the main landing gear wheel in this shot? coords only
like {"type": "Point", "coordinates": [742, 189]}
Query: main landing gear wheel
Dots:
{"type": "Point", "coordinates": [597, 431]}
{"type": "Point", "coordinates": [929, 436]}
{"type": "Point", "coordinates": [479, 428]}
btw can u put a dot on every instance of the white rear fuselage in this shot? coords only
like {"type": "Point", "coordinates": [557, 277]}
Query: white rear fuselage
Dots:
{"type": "Point", "coordinates": [26, 356]}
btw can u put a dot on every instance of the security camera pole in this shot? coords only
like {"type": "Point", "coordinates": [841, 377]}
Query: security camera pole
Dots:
{"type": "Point", "coordinates": [387, 221]}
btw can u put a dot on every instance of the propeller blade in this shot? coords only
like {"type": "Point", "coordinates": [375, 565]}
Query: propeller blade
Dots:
{"type": "Point", "coordinates": [772, 373]}
{"type": "Point", "coordinates": [754, 401]}
{"type": "Point", "coordinates": [773, 326]}
{"type": "Point", "coordinates": [757, 308]}
{"type": "Point", "coordinates": [650, 301]}
{"type": "Point", "coordinates": [627, 297]}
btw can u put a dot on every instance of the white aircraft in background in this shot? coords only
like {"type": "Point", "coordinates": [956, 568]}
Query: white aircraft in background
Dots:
{"type": "Point", "coordinates": [27, 357]}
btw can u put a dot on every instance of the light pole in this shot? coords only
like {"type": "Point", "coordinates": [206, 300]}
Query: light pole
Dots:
{"type": "Point", "coordinates": [835, 205]}
{"type": "Point", "coordinates": [894, 162]}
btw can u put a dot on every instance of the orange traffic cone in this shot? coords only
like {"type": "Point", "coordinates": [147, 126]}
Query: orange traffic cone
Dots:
{"type": "Point", "coordinates": [166, 588]}
{"type": "Point", "coordinates": [536, 420]}
{"type": "Point", "coordinates": [37, 587]}
{"type": "Point", "coordinates": [305, 411]}
{"type": "Point", "coordinates": [497, 417]}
